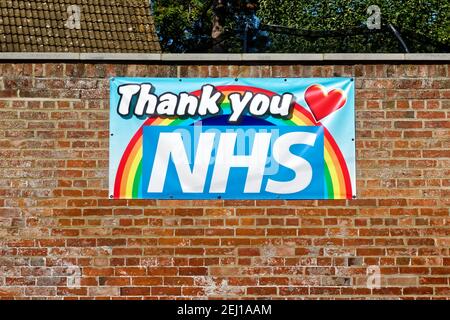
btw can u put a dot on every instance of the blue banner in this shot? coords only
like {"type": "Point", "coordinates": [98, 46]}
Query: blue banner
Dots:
{"type": "Point", "coordinates": [233, 162]}
{"type": "Point", "coordinates": [222, 138]}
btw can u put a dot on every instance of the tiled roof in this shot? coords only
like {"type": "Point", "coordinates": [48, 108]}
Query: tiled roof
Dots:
{"type": "Point", "coordinates": [124, 26]}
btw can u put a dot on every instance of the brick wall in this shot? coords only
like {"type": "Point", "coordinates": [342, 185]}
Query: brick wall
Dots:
{"type": "Point", "coordinates": [61, 237]}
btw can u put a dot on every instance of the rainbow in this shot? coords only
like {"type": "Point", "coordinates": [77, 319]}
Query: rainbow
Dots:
{"type": "Point", "coordinates": [128, 181]}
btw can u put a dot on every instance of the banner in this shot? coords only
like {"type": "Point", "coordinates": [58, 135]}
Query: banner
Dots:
{"type": "Point", "coordinates": [221, 138]}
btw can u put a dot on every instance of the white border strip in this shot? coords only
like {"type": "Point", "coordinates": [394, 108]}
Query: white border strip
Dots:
{"type": "Point", "coordinates": [236, 57]}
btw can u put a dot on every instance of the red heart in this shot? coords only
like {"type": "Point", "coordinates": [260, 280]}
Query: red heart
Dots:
{"type": "Point", "coordinates": [323, 103]}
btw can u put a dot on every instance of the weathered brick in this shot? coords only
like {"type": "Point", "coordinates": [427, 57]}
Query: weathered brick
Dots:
{"type": "Point", "coordinates": [61, 226]}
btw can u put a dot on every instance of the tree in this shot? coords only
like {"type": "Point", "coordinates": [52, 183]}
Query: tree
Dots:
{"type": "Point", "coordinates": [209, 25]}
{"type": "Point", "coordinates": [424, 25]}
{"type": "Point", "coordinates": [183, 25]}
{"type": "Point", "coordinates": [306, 25]}
{"type": "Point", "coordinates": [233, 18]}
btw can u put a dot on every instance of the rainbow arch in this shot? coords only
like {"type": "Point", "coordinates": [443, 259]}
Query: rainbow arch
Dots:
{"type": "Point", "coordinates": [128, 179]}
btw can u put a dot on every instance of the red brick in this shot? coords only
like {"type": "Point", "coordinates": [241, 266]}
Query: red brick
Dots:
{"type": "Point", "coordinates": [56, 216]}
{"type": "Point", "coordinates": [147, 281]}
{"type": "Point", "coordinates": [134, 291]}
{"type": "Point", "coordinates": [166, 291]}
{"type": "Point", "coordinates": [261, 291]}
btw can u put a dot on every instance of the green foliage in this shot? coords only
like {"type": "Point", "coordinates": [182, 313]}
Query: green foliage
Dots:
{"type": "Point", "coordinates": [185, 25]}
{"type": "Point", "coordinates": [418, 21]}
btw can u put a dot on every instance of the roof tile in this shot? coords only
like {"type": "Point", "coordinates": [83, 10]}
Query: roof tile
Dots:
{"type": "Point", "coordinates": [106, 26]}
